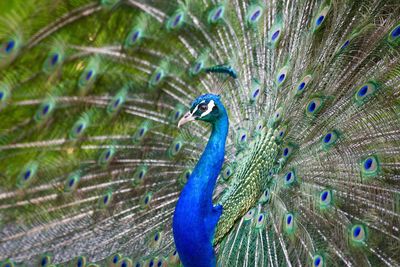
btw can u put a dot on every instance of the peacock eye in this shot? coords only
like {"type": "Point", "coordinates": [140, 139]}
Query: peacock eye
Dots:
{"type": "Point", "coordinates": [203, 107]}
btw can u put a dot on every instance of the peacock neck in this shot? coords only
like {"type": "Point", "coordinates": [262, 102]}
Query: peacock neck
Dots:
{"type": "Point", "coordinates": [205, 173]}
{"type": "Point", "coordinates": [195, 217]}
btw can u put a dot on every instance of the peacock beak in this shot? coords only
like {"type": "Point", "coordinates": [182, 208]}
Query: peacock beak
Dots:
{"type": "Point", "coordinates": [186, 118]}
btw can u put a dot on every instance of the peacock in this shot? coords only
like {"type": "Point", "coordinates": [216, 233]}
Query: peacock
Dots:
{"type": "Point", "coordinates": [199, 133]}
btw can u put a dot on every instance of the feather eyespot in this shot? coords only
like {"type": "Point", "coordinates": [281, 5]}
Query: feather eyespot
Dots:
{"type": "Point", "coordinates": [396, 32]}
{"type": "Point", "coordinates": [135, 36]}
{"type": "Point", "coordinates": [302, 85]}
{"type": "Point", "coordinates": [28, 174]}
{"type": "Point", "coordinates": [255, 93]}
{"type": "Point", "coordinates": [290, 178]}
{"type": "Point", "coordinates": [106, 156]}
{"type": "Point", "coordinates": [265, 197]}
{"type": "Point", "coordinates": [259, 126]}
{"type": "Point", "coordinates": [249, 215]}
{"type": "Point", "coordinates": [45, 260]}
{"type": "Point", "coordinates": [318, 261]}
{"type": "Point", "coordinates": [105, 200]}
{"type": "Point", "coordinates": [197, 66]}
{"type": "Point", "coordinates": [9, 46]}
{"type": "Point", "coordinates": [54, 59]}
{"type": "Point", "coordinates": [320, 18]}
{"type": "Point", "coordinates": [325, 198]}
{"type": "Point", "coordinates": [289, 223]}
{"type": "Point", "coordinates": [260, 220]}
{"type": "Point", "coordinates": [275, 35]}
{"type": "Point", "coordinates": [287, 151]}
{"type": "Point", "coordinates": [89, 75]}
{"type": "Point", "coordinates": [314, 106]}
{"type": "Point", "coordinates": [370, 166]}
{"type": "Point", "coordinates": [254, 14]}
{"type": "Point", "coordinates": [394, 35]}
{"type": "Point", "coordinates": [71, 182]}
{"type": "Point", "coordinates": [115, 259]}
{"type": "Point", "coordinates": [227, 172]}
{"type": "Point", "coordinates": [216, 14]}
{"type": "Point", "coordinates": [125, 262]}
{"type": "Point", "coordinates": [358, 233]}
{"type": "Point", "coordinates": [329, 139]}
{"type": "Point", "coordinates": [80, 261]}
{"type": "Point", "coordinates": [345, 44]}
{"type": "Point", "coordinates": [282, 76]}
{"type": "Point", "coordinates": [176, 20]}
{"type": "Point", "coordinates": [158, 76]}
{"type": "Point", "coordinates": [365, 91]}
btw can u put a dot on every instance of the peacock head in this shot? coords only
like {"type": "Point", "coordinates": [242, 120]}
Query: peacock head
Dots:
{"type": "Point", "coordinates": [208, 108]}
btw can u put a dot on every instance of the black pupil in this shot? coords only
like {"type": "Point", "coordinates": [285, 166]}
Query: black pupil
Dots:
{"type": "Point", "coordinates": [203, 107]}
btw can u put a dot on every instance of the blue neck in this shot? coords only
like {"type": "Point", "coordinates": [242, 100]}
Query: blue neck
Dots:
{"type": "Point", "coordinates": [195, 217]}
{"type": "Point", "coordinates": [205, 174]}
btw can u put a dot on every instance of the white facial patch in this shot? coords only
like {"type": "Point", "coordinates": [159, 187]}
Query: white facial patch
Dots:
{"type": "Point", "coordinates": [210, 107]}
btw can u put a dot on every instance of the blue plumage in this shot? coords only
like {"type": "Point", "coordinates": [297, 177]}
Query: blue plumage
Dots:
{"type": "Point", "coordinates": [195, 217]}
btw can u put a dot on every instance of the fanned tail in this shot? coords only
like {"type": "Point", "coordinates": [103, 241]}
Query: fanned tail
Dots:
{"type": "Point", "coordinates": [92, 162]}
